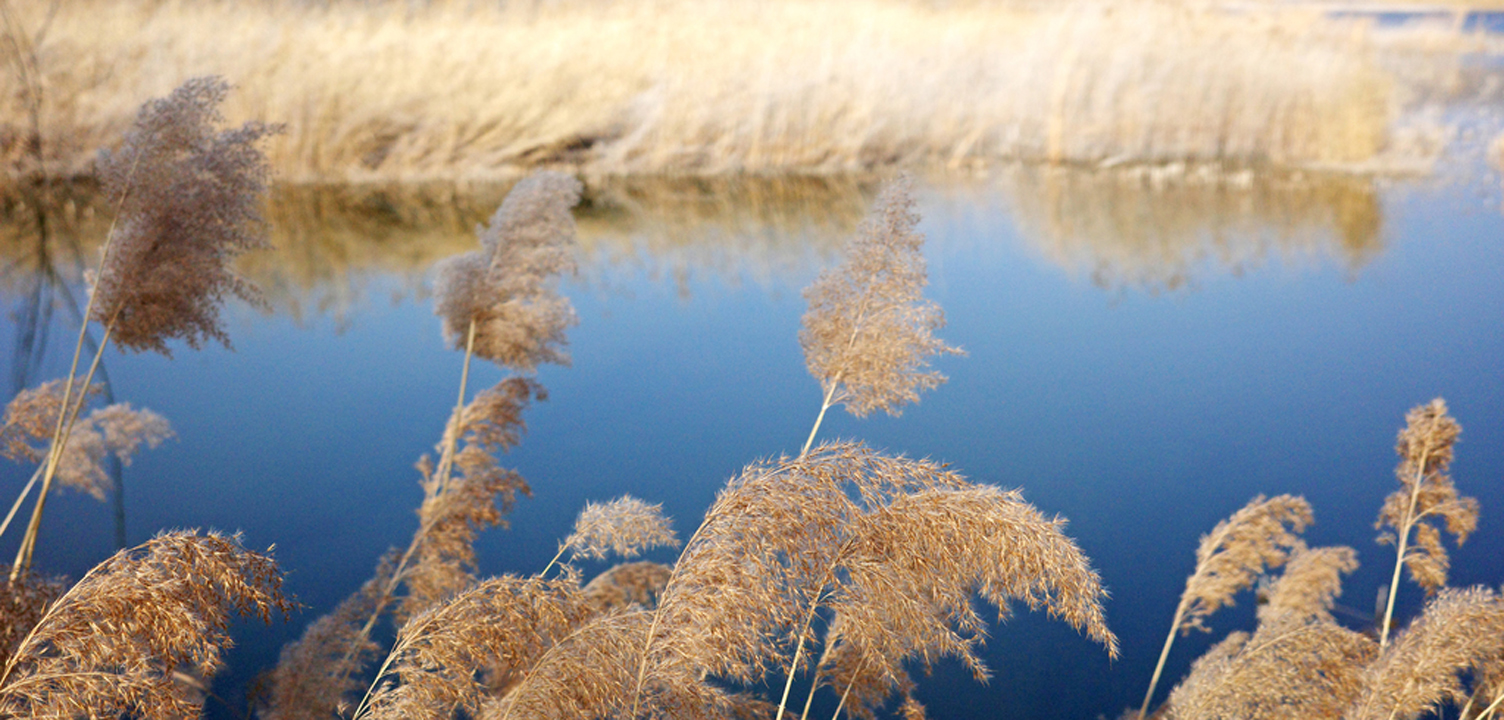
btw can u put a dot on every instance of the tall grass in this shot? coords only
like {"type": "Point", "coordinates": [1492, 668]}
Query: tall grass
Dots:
{"type": "Point", "coordinates": [390, 90]}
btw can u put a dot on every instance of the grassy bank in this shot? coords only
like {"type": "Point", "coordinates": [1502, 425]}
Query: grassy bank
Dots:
{"type": "Point", "coordinates": [386, 91]}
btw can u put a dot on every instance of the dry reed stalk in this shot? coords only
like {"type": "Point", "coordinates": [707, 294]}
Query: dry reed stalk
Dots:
{"type": "Point", "coordinates": [1425, 502]}
{"type": "Point", "coordinates": [868, 333]}
{"type": "Point", "coordinates": [451, 90]}
{"type": "Point", "coordinates": [1460, 631]}
{"type": "Point", "coordinates": [1228, 561]}
{"type": "Point", "coordinates": [111, 644]}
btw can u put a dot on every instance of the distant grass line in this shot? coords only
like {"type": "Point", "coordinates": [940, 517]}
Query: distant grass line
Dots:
{"type": "Point", "coordinates": [396, 91]}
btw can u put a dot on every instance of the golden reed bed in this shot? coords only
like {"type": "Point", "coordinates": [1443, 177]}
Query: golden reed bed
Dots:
{"type": "Point", "coordinates": [843, 565]}
{"type": "Point", "coordinates": [392, 90]}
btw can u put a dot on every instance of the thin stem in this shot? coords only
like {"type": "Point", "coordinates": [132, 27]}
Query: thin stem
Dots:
{"type": "Point", "coordinates": [59, 443]}
{"type": "Point", "coordinates": [1165, 653]}
{"type": "Point", "coordinates": [829, 394]}
{"type": "Point", "coordinates": [440, 481]}
{"type": "Point", "coordinates": [35, 476]}
{"type": "Point", "coordinates": [1404, 540]}
{"type": "Point", "coordinates": [849, 685]}
{"type": "Point", "coordinates": [551, 563]}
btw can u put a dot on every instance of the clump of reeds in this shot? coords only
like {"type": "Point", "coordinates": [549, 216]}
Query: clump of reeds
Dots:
{"type": "Point", "coordinates": [869, 333]}
{"type": "Point", "coordinates": [725, 87]}
{"type": "Point", "coordinates": [1300, 663]}
{"type": "Point", "coordinates": [111, 645]}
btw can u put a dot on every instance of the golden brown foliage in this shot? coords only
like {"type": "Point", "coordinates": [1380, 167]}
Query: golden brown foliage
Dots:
{"type": "Point", "coordinates": [112, 643]}
{"type": "Point", "coordinates": [625, 526]}
{"type": "Point", "coordinates": [1461, 630]}
{"type": "Point", "coordinates": [1229, 560]}
{"type": "Point", "coordinates": [868, 333]}
{"type": "Point", "coordinates": [506, 289]}
{"type": "Point", "coordinates": [189, 201]}
{"type": "Point", "coordinates": [502, 625]}
{"type": "Point", "coordinates": [320, 671]}
{"type": "Point", "coordinates": [635, 583]}
{"type": "Point", "coordinates": [1426, 498]}
{"type": "Point", "coordinates": [848, 528]}
{"type": "Point", "coordinates": [21, 604]}
{"type": "Point", "coordinates": [31, 417]}
{"type": "Point", "coordinates": [1292, 668]}
{"type": "Point", "coordinates": [1310, 584]}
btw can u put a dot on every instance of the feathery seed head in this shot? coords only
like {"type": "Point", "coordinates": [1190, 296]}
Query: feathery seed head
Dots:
{"type": "Point", "coordinates": [625, 526]}
{"type": "Point", "coordinates": [189, 199]}
{"type": "Point", "coordinates": [507, 288]}
{"type": "Point", "coordinates": [1238, 550]}
{"type": "Point", "coordinates": [868, 333]}
{"type": "Point", "coordinates": [1426, 497]}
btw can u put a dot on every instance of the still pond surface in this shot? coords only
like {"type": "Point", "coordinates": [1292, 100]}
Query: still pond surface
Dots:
{"type": "Point", "coordinates": [1147, 350]}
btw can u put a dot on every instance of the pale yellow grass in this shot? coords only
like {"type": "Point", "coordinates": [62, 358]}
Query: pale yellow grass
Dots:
{"type": "Point", "coordinates": [386, 91]}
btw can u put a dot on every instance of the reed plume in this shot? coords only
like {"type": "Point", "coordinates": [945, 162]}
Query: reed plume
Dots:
{"type": "Point", "coordinates": [1310, 584]}
{"type": "Point", "coordinates": [500, 625]}
{"type": "Point", "coordinates": [788, 538]}
{"type": "Point", "coordinates": [1228, 561]}
{"type": "Point", "coordinates": [504, 293]}
{"type": "Point", "coordinates": [1460, 631]}
{"type": "Point", "coordinates": [635, 583]}
{"type": "Point", "coordinates": [21, 606]}
{"type": "Point", "coordinates": [868, 334]}
{"type": "Point", "coordinates": [111, 644]}
{"type": "Point", "coordinates": [1425, 500]}
{"type": "Point", "coordinates": [187, 200]}
{"type": "Point", "coordinates": [1292, 668]}
{"type": "Point", "coordinates": [625, 526]}
{"type": "Point", "coordinates": [317, 674]}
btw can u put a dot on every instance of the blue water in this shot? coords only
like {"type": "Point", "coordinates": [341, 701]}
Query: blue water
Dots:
{"type": "Point", "coordinates": [1142, 412]}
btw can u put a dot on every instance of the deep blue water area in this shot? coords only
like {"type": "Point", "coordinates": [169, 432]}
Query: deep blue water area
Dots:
{"type": "Point", "coordinates": [1280, 357]}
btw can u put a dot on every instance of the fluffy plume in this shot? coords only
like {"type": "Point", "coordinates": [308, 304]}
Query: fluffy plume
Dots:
{"type": "Point", "coordinates": [625, 526]}
{"type": "Point", "coordinates": [189, 198]}
{"type": "Point", "coordinates": [507, 287]}
{"type": "Point", "coordinates": [580, 676]}
{"type": "Point", "coordinates": [1425, 502]}
{"type": "Point", "coordinates": [112, 430]}
{"type": "Point", "coordinates": [111, 645]}
{"type": "Point", "coordinates": [627, 584]}
{"type": "Point", "coordinates": [1310, 584]}
{"type": "Point", "coordinates": [21, 604]}
{"type": "Point", "coordinates": [493, 420]}
{"type": "Point", "coordinates": [868, 334]}
{"type": "Point", "coordinates": [916, 563]}
{"type": "Point", "coordinates": [1291, 669]}
{"type": "Point", "coordinates": [319, 673]}
{"type": "Point", "coordinates": [1229, 560]}
{"type": "Point", "coordinates": [30, 419]}
{"type": "Point", "coordinates": [1460, 630]}
{"type": "Point", "coordinates": [503, 624]}
{"type": "Point", "coordinates": [851, 529]}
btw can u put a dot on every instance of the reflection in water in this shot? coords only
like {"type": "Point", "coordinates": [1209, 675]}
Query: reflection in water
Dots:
{"type": "Point", "coordinates": [1154, 228]}
{"type": "Point", "coordinates": [1160, 228]}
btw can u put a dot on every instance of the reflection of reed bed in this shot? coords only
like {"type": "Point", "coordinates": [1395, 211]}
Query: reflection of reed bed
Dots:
{"type": "Point", "coordinates": [1162, 228]}
{"type": "Point", "coordinates": [405, 91]}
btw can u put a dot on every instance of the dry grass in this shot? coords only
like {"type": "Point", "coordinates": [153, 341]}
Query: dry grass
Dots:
{"type": "Point", "coordinates": [462, 90]}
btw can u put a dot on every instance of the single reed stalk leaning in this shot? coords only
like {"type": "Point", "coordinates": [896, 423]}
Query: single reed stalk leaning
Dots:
{"type": "Point", "coordinates": [1403, 540]}
{"type": "Point", "coordinates": [809, 619]}
{"type": "Point", "coordinates": [844, 695]}
{"type": "Point", "coordinates": [446, 461]}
